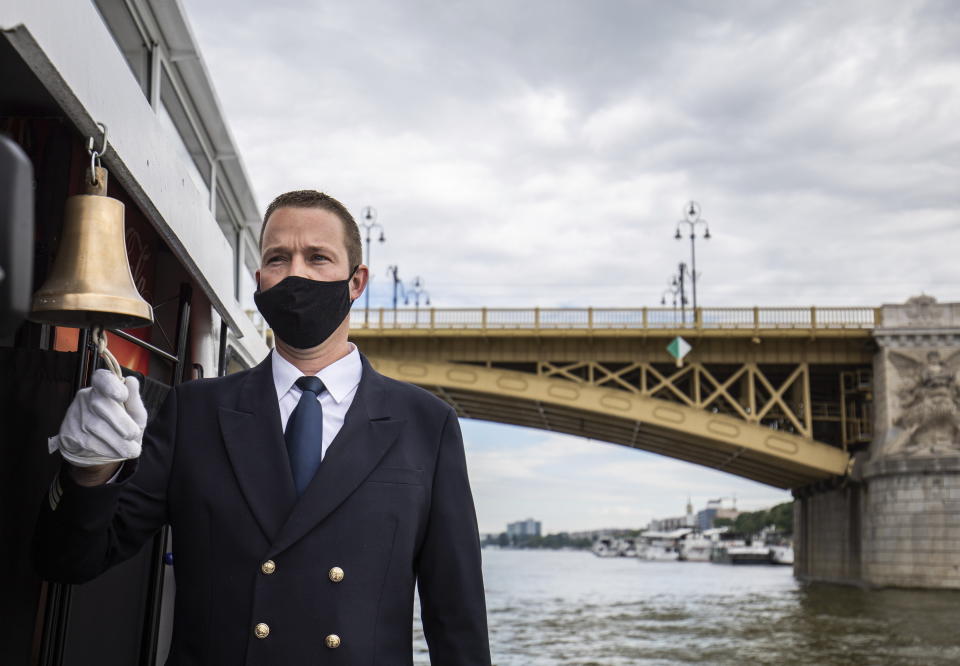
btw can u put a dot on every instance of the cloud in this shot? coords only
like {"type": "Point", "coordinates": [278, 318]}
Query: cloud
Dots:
{"type": "Point", "coordinates": [553, 144]}
{"type": "Point", "coordinates": [543, 115]}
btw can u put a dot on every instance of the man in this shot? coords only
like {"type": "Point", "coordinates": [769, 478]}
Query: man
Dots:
{"type": "Point", "coordinates": [307, 495]}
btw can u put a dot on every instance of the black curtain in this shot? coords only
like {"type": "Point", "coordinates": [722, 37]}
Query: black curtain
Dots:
{"type": "Point", "coordinates": [36, 387]}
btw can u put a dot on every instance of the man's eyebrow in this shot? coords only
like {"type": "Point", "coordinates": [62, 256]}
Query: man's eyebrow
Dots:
{"type": "Point", "coordinates": [310, 248]}
{"type": "Point", "coordinates": [319, 248]}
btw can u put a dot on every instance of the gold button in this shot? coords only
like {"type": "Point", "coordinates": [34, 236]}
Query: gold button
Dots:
{"type": "Point", "coordinates": [332, 641]}
{"type": "Point", "coordinates": [261, 630]}
{"type": "Point", "coordinates": [335, 574]}
{"type": "Point", "coordinates": [268, 567]}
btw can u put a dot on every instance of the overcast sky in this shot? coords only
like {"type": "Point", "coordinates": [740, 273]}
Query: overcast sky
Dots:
{"type": "Point", "coordinates": [540, 152]}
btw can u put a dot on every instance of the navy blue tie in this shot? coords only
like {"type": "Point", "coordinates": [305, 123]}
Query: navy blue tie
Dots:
{"type": "Point", "coordinates": [304, 434]}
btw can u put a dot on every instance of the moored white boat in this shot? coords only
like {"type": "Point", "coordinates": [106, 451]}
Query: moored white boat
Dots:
{"type": "Point", "coordinates": [628, 547]}
{"type": "Point", "coordinates": [733, 553]}
{"type": "Point", "coordinates": [696, 549]}
{"type": "Point", "coordinates": [697, 546]}
{"type": "Point", "coordinates": [661, 546]}
{"type": "Point", "coordinates": [605, 547]}
{"type": "Point", "coordinates": [781, 554]}
{"type": "Point", "coordinates": [658, 552]}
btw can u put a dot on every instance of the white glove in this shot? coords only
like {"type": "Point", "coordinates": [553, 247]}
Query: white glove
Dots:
{"type": "Point", "coordinates": [104, 423]}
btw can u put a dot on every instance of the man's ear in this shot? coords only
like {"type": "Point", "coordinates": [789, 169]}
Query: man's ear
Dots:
{"type": "Point", "coordinates": [359, 280]}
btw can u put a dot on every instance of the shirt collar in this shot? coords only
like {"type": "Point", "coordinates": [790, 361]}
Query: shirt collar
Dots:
{"type": "Point", "coordinates": [339, 378]}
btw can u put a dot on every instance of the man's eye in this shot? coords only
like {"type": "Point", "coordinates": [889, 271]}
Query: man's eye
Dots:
{"type": "Point", "coordinates": [273, 260]}
{"type": "Point", "coordinates": [319, 257]}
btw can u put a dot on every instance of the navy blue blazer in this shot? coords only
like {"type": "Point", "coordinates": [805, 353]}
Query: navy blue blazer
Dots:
{"type": "Point", "coordinates": [390, 507]}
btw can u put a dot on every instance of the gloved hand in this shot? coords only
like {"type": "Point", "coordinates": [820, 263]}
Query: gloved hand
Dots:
{"type": "Point", "coordinates": [104, 423]}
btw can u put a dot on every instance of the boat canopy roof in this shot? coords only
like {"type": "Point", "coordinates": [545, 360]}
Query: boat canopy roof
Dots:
{"type": "Point", "coordinates": [675, 534]}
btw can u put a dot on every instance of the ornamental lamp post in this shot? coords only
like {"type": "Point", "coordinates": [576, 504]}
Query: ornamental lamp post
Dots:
{"type": "Point", "coordinates": [369, 223]}
{"type": "Point", "coordinates": [394, 272]}
{"type": "Point", "coordinates": [676, 287]}
{"type": "Point", "coordinates": [691, 214]}
{"type": "Point", "coordinates": [416, 293]}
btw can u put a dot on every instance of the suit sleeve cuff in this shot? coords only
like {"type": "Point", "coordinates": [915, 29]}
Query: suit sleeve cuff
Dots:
{"type": "Point", "coordinates": [86, 505]}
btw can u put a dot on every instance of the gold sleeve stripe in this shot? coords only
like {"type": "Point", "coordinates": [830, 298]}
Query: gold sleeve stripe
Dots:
{"type": "Point", "coordinates": [56, 492]}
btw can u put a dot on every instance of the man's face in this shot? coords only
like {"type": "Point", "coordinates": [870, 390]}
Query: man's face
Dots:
{"type": "Point", "coordinates": [308, 243]}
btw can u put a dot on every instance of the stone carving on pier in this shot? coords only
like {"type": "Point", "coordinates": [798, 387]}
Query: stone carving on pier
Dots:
{"type": "Point", "coordinates": [920, 317]}
{"type": "Point", "coordinates": [928, 422]}
{"type": "Point", "coordinates": [923, 310]}
{"type": "Point", "coordinates": [908, 517]}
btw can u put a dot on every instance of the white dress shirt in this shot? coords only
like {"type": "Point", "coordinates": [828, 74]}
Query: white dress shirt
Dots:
{"type": "Point", "coordinates": [341, 380]}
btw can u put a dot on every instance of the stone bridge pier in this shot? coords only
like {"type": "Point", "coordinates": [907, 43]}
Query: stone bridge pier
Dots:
{"type": "Point", "coordinates": [895, 520]}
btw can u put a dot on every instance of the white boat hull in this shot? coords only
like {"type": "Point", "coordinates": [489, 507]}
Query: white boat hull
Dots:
{"type": "Point", "coordinates": [695, 555]}
{"type": "Point", "coordinates": [659, 554]}
{"type": "Point", "coordinates": [781, 555]}
{"type": "Point", "coordinates": [741, 555]}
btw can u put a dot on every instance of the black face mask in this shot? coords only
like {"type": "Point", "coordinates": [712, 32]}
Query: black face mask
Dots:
{"type": "Point", "coordinates": [303, 312]}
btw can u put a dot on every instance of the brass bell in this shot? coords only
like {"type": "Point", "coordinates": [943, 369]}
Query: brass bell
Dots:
{"type": "Point", "coordinates": [90, 282]}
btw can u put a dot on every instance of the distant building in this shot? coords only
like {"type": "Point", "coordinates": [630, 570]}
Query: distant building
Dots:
{"type": "Point", "coordinates": [678, 522]}
{"type": "Point", "coordinates": [707, 518]}
{"type": "Point", "coordinates": [523, 529]}
{"type": "Point", "coordinates": [667, 524]}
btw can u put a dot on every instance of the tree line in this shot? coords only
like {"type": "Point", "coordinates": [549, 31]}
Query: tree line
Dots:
{"type": "Point", "coordinates": [748, 522]}
{"type": "Point", "coordinates": [554, 541]}
{"type": "Point", "coordinates": [751, 522]}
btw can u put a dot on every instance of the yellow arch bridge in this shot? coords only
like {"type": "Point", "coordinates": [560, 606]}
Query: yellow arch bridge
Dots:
{"type": "Point", "coordinates": [778, 395]}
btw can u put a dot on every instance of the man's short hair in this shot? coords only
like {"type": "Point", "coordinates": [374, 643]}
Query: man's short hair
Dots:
{"type": "Point", "coordinates": [314, 199]}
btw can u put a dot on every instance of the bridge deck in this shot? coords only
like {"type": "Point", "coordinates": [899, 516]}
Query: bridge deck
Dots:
{"type": "Point", "coordinates": [704, 322]}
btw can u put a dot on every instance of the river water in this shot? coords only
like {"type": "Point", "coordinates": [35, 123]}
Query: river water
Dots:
{"type": "Point", "coordinates": [571, 607]}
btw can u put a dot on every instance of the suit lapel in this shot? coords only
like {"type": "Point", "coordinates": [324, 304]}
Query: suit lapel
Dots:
{"type": "Point", "coordinates": [254, 442]}
{"type": "Point", "coordinates": [368, 432]}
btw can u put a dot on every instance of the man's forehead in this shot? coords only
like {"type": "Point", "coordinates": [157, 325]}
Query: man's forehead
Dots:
{"type": "Point", "coordinates": [298, 225]}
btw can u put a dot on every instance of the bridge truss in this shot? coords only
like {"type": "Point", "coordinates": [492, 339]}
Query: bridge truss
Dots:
{"type": "Point", "coordinates": [782, 405]}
